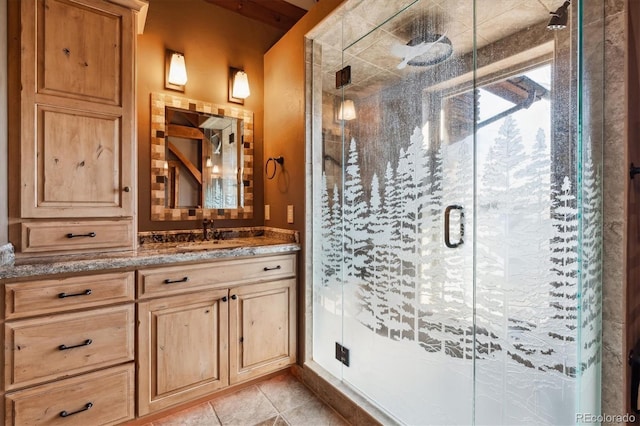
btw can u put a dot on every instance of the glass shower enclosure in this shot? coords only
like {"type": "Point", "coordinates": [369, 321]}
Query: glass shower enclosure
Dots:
{"type": "Point", "coordinates": [456, 164]}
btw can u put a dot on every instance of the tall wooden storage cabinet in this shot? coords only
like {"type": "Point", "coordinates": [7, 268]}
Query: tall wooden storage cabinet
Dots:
{"type": "Point", "coordinates": [76, 143]}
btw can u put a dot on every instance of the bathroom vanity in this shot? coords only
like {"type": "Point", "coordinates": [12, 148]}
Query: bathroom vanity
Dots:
{"type": "Point", "coordinates": [202, 319]}
{"type": "Point", "coordinates": [205, 326]}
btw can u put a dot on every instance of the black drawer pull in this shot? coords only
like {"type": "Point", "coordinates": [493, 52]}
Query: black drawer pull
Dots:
{"type": "Point", "coordinates": [234, 297]}
{"type": "Point", "coordinates": [181, 280]}
{"type": "Point", "coordinates": [84, 293]}
{"type": "Point", "coordinates": [266, 268]}
{"type": "Point", "coordinates": [85, 408]}
{"type": "Point", "coordinates": [85, 343]}
{"type": "Point", "coordinates": [90, 235]}
{"type": "Point", "coordinates": [224, 298]}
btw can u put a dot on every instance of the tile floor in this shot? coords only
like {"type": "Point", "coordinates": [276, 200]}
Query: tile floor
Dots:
{"type": "Point", "coordinates": [279, 401]}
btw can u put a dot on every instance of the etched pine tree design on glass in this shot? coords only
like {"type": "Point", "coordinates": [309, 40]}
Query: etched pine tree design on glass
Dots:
{"type": "Point", "coordinates": [508, 306]}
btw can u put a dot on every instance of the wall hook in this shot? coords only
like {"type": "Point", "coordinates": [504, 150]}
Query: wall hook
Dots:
{"type": "Point", "coordinates": [276, 161]}
{"type": "Point", "coordinates": [633, 171]}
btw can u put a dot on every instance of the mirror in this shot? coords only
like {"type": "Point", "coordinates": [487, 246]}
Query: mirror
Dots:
{"type": "Point", "coordinates": [201, 160]}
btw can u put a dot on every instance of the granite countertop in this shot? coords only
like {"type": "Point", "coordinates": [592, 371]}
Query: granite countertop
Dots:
{"type": "Point", "coordinates": [161, 248]}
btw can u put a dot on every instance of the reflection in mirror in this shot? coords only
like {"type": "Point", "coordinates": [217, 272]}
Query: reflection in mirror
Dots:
{"type": "Point", "coordinates": [201, 160]}
{"type": "Point", "coordinates": [202, 153]}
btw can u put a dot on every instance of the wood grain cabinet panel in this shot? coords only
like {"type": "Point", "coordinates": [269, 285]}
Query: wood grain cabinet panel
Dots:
{"type": "Point", "coordinates": [101, 398]}
{"type": "Point", "coordinates": [182, 348]}
{"type": "Point", "coordinates": [77, 109]}
{"type": "Point", "coordinates": [87, 67]}
{"type": "Point", "coordinates": [71, 236]}
{"type": "Point", "coordinates": [79, 163]}
{"type": "Point", "coordinates": [262, 329]}
{"type": "Point", "coordinates": [164, 281]}
{"type": "Point", "coordinates": [53, 347]}
{"type": "Point", "coordinates": [31, 298]}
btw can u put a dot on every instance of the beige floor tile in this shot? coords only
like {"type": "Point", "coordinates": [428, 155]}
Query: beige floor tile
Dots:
{"type": "Point", "coordinates": [313, 413]}
{"type": "Point", "coordinates": [246, 407]}
{"type": "Point", "coordinates": [286, 392]}
{"type": "Point", "coordinates": [274, 421]}
{"type": "Point", "coordinates": [200, 415]}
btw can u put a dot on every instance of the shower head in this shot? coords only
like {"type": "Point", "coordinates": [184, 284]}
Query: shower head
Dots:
{"type": "Point", "coordinates": [424, 50]}
{"type": "Point", "coordinates": [559, 17]}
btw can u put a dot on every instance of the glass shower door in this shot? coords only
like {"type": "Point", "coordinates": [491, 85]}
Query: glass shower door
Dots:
{"type": "Point", "coordinates": [457, 251]}
{"type": "Point", "coordinates": [407, 204]}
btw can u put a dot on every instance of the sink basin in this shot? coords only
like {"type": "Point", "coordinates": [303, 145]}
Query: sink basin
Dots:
{"type": "Point", "coordinates": [209, 245]}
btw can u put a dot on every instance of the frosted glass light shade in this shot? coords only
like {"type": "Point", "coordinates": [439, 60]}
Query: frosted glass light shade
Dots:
{"type": "Point", "coordinates": [241, 85]}
{"type": "Point", "coordinates": [347, 110]}
{"type": "Point", "coordinates": [177, 70]}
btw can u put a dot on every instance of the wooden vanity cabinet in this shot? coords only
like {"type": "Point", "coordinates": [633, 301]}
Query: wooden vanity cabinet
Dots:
{"type": "Point", "coordinates": [74, 178]}
{"type": "Point", "coordinates": [69, 347]}
{"type": "Point", "coordinates": [182, 348]}
{"type": "Point", "coordinates": [219, 323]}
{"type": "Point", "coordinates": [262, 328]}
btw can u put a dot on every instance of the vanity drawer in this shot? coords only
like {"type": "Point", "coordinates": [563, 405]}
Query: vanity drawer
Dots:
{"type": "Point", "coordinates": [64, 294]}
{"type": "Point", "coordinates": [180, 279]}
{"type": "Point", "coordinates": [109, 392]}
{"type": "Point", "coordinates": [57, 346]}
{"type": "Point", "coordinates": [76, 236]}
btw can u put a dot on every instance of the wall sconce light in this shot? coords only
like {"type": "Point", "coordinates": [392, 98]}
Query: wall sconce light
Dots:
{"type": "Point", "coordinates": [238, 86]}
{"type": "Point", "coordinates": [347, 110]}
{"type": "Point", "coordinates": [215, 172]}
{"type": "Point", "coordinates": [175, 71]}
{"type": "Point", "coordinates": [208, 163]}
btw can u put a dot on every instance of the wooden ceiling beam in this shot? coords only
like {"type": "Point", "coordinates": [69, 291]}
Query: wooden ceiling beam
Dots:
{"type": "Point", "coordinates": [187, 163]}
{"type": "Point", "coordinates": [184, 132]}
{"type": "Point", "coordinates": [277, 13]}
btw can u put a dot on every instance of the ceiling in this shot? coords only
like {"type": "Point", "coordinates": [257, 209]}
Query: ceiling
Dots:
{"type": "Point", "coordinates": [280, 14]}
{"type": "Point", "coordinates": [370, 34]}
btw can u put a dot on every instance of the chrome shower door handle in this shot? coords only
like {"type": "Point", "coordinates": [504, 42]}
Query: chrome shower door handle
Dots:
{"type": "Point", "coordinates": [447, 226]}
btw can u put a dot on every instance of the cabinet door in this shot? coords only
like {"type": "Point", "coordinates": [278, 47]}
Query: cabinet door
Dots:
{"type": "Point", "coordinates": [262, 329]}
{"type": "Point", "coordinates": [77, 110]}
{"type": "Point", "coordinates": [183, 348]}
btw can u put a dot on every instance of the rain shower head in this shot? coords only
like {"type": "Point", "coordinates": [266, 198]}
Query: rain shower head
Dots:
{"type": "Point", "coordinates": [424, 50]}
{"type": "Point", "coordinates": [559, 18]}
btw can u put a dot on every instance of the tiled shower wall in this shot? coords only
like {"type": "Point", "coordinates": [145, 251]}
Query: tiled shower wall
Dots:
{"type": "Point", "coordinates": [632, 231]}
{"type": "Point", "coordinates": [614, 371]}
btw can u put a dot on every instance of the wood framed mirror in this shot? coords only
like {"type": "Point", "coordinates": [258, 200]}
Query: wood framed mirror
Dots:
{"type": "Point", "coordinates": [201, 160]}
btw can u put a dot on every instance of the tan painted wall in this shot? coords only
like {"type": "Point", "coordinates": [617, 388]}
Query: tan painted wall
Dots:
{"type": "Point", "coordinates": [284, 118]}
{"type": "Point", "coordinates": [284, 134]}
{"type": "Point", "coordinates": [212, 39]}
